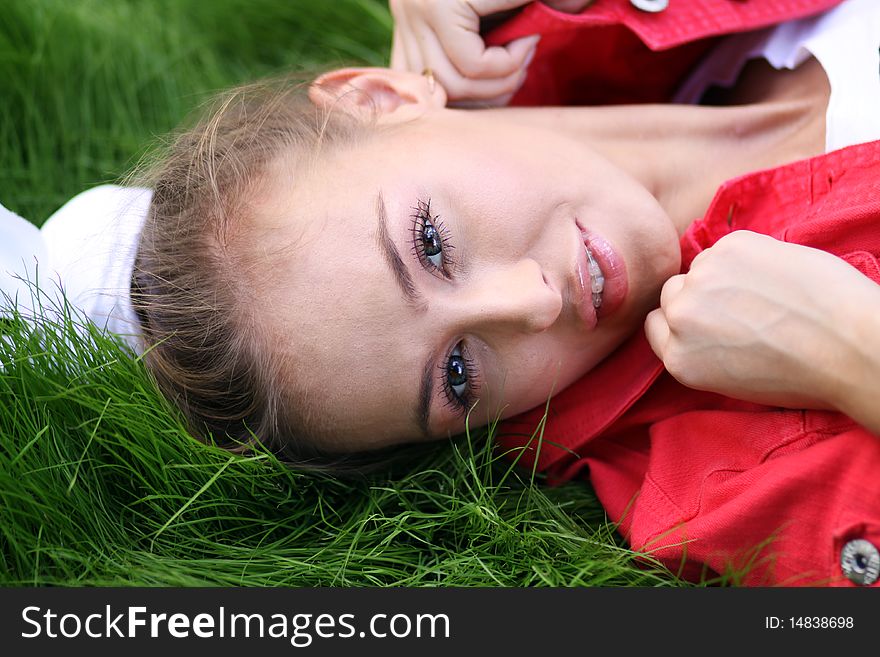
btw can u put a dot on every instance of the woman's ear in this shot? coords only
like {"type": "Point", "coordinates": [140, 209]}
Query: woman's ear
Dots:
{"type": "Point", "coordinates": [393, 95]}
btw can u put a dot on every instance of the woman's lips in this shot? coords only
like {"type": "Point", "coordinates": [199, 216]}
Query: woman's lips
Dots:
{"type": "Point", "coordinates": [602, 278]}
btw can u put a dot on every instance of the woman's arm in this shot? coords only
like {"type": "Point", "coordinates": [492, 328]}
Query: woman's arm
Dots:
{"type": "Point", "coordinates": [774, 323]}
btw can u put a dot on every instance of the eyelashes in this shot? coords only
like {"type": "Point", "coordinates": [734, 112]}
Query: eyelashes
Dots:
{"type": "Point", "coordinates": [431, 243]}
{"type": "Point", "coordinates": [459, 379]}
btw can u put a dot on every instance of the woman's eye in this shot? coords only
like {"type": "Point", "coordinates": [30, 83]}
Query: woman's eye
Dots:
{"type": "Point", "coordinates": [432, 245]}
{"type": "Point", "coordinates": [430, 241]}
{"type": "Point", "coordinates": [457, 373]}
{"type": "Point", "coordinates": [460, 379]}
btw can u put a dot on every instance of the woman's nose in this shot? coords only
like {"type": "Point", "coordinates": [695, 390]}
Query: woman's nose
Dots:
{"type": "Point", "coordinates": [514, 297]}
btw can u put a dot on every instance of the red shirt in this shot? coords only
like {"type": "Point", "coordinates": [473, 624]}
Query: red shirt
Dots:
{"type": "Point", "coordinates": [699, 480]}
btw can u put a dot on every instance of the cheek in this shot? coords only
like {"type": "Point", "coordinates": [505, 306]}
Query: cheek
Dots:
{"type": "Point", "coordinates": [509, 206]}
{"type": "Point", "coordinates": [533, 371]}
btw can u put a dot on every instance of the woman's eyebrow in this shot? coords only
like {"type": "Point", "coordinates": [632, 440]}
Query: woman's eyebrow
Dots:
{"type": "Point", "coordinates": [392, 257]}
{"type": "Point", "coordinates": [423, 408]}
{"type": "Point", "coordinates": [422, 412]}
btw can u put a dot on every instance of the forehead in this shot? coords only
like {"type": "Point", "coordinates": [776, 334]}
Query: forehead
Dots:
{"type": "Point", "coordinates": [334, 307]}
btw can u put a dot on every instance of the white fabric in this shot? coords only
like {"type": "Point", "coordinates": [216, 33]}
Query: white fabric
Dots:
{"type": "Point", "coordinates": [86, 248]}
{"type": "Point", "coordinates": [22, 254]}
{"type": "Point", "coordinates": [844, 40]}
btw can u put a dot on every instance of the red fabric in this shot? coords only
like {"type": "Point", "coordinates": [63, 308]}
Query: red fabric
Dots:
{"type": "Point", "coordinates": [704, 482]}
{"type": "Point", "coordinates": [614, 53]}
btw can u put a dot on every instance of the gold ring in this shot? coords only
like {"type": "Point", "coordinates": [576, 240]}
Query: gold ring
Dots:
{"type": "Point", "coordinates": [429, 75]}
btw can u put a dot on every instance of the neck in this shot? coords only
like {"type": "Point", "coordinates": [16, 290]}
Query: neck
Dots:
{"type": "Point", "coordinates": [683, 153]}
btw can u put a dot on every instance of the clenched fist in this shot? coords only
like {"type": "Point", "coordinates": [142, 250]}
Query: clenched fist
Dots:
{"type": "Point", "coordinates": [770, 322]}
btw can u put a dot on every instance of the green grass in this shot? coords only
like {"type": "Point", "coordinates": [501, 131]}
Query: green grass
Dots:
{"type": "Point", "coordinates": [99, 482]}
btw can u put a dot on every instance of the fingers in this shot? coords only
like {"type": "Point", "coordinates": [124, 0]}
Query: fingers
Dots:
{"type": "Point", "coordinates": [657, 332]}
{"type": "Point", "coordinates": [568, 6]}
{"type": "Point", "coordinates": [671, 289]}
{"type": "Point", "coordinates": [458, 86]}
{"type": "Point", "coordinates": [399, 60]}
{"type": "Point", "coordinates": [445, 37]}
{"type": "Point", "coordinates": [468, 52]}
{"type": "Point", "coordinates": [486, 7]}
{"type": "Point", "coordinates": [657, 323]}
{"type": "Point", "coordinates": [405, 55]}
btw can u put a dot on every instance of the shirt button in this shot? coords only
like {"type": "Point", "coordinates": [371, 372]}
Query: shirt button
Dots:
{"type": "Point", "coordinates": [652, 6]}
{"type": "Point", "coordinates": [860, 562]}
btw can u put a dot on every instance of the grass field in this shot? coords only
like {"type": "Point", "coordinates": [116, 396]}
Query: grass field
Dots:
{"type": "Point", "coordinates": [99, 482]}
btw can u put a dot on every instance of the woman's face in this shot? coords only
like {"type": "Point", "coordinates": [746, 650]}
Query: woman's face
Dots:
{"type": "Point", "coordinates": [443, 267]}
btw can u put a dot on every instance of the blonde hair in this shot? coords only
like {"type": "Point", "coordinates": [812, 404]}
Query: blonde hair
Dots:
{"type": "Point", "coordinates": [207, 347]}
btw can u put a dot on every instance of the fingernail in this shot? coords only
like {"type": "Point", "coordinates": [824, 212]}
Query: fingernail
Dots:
{"type": "Point", "coordinates": [530, 56]}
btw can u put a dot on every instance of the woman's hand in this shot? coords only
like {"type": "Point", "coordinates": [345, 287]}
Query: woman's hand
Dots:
{"type": "Point", "coordinates": [444, 36]}
{"type": "Point", "coordinates": [774, 323]}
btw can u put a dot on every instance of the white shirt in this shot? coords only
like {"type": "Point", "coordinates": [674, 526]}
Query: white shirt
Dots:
{"type": "Point", "coordinates": [87, 249]}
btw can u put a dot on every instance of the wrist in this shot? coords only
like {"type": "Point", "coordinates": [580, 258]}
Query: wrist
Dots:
{"type": "Point", "coordinates": [855, 391]}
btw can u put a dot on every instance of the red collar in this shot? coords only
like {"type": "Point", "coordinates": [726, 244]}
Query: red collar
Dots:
{"type": "Point", "coordinates": [831, 202]}
{"type": "Point", "coordinates": [613, 53]}
{"type": "Point", "coordinates": [679, 23]}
